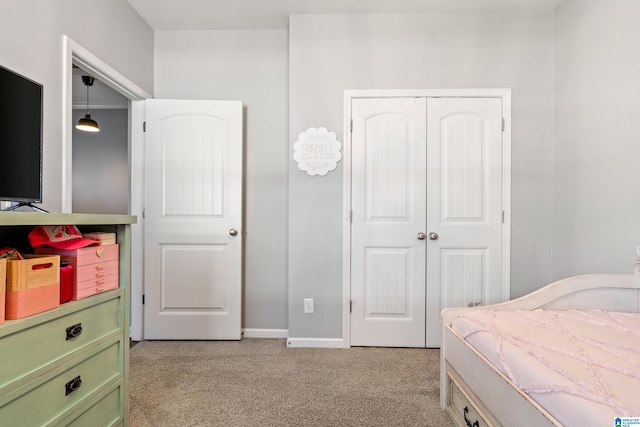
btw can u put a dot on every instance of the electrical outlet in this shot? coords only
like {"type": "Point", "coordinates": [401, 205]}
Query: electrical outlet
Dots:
{"type": "Point", "coordinates": [308, 305]}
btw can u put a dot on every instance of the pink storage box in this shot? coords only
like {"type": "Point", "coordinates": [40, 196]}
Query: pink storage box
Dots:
{"type": "Point", "coordinates": [95, 268]}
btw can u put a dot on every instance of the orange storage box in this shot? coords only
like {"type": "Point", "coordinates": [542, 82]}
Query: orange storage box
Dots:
{"type": "Point", "coordinates": [33, 285]}
{"type": "Point", "coordinates": [95, 268]}
{"type": "Point", "coordinates": [3, 287]}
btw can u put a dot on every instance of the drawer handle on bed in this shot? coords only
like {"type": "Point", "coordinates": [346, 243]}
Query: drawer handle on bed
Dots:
{"type": "Point", "coordinates": [475, 424]}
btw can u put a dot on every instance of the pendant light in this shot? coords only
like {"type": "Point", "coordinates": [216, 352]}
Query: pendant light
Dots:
{"type": "Point", "coordinates": [86, 123]}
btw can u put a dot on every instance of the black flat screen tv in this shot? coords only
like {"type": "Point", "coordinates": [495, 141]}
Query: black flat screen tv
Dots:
{"type": "Point", "coordinates": [20, 138]}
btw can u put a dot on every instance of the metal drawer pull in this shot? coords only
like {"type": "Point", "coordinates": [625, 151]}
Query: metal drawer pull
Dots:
{"type": "Point", "coordinates": [466, 420]}
{"type": "Point", "coordinates": [74, 331]}
{"type": "Point", "coordinates": [72, 385]}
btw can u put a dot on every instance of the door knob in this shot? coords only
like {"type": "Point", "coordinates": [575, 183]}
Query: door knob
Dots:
{"type": "Point", "coordinates": [433, 236]}
{"type": "Point", "coordinates": [421, 236]}
{"type": "Point", "coordinates": [233, 232]}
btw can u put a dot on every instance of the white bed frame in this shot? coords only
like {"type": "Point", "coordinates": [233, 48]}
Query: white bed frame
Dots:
{"type": "Point", "coordinates": [476, 394]}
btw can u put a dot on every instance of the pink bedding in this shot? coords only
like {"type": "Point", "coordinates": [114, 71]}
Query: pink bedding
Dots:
{"type": "Point", "coordinates": [583, 367]}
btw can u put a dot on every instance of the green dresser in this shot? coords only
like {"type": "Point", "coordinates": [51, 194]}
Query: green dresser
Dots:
{"type": "Point", "coordinates": [68, 366]}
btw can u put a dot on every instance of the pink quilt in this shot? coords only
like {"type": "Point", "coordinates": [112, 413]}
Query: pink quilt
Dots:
{"type": "Point", "coordinates": [583, 367]}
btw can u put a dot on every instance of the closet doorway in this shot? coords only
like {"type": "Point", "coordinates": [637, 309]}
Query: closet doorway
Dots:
{"type": "Point", "coordinates": [428, 212]}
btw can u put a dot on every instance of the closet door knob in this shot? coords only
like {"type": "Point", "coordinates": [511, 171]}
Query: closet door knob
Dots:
{"type": "Point", "coordinates": [233, 232]}
{"type": "Point", "coordinates": [433, 236]}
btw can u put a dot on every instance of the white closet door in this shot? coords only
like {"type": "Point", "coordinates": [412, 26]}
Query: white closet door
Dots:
{"type": "Point", "coordinates": [389, 202]}
{"type": "Point", "coordinates": [427, 214]}
{"type": "Point", "coordinates": [464, 206]}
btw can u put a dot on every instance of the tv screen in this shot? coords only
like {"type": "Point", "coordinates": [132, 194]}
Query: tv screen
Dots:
{"type": "Point", "coordinates": [20, 138]}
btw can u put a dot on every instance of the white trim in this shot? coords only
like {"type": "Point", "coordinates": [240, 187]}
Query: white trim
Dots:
{"type": "Point", "coordinates": [349, 95]}
{"type": "Point", "coordinates": [346, 224]}
{"type": "Point", "coordinates": [506, 196]}
{"type": "Point", "coordinates": [73, 53]}
{"type": "Point", "coordinates": [136, 200]}
{"type": "Point", "coordinates": [265, 333]}
{"type": "Point", "coordinates": [315, 343]}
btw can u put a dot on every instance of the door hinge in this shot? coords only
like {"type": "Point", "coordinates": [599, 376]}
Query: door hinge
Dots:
{"type": "Point", "coordinates": [144, 213]}
{"type": "Point", "coordinates": [503, 124]}
{"type": "Point", "coordinates": [351, 215]}
{"type": "Point", "coordinates": [142, 299]}
{"type": "Point", "coordinates": [351, 125]}
{"type": "Point", "coordinates": [350, 306]}
{"type": "Point", "coordinates": [502, 217]}
{"type": "Point", "coordinates": [144, 126]}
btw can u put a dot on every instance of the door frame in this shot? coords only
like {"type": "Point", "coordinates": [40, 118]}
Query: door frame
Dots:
{"type": "Point", "coordinates": [74, 53]}
{"type": "Point", "coordinates": [349, 95]}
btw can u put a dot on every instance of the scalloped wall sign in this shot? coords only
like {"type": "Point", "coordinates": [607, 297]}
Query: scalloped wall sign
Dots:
{"type": "Point", "coordinates": [317, 151]}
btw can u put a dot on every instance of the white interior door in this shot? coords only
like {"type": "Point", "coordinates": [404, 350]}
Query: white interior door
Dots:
{"type": "Point", "coordinates": [430, 166]}
{"type": "Point", "coordinates": [464, 206]}
{"type": "Point", "coordinates": [193, 218]}
{"type": "Point", "coordinates": [388, 204]}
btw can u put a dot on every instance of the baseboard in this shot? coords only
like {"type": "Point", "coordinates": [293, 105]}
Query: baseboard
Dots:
{"type": "Point", "coordinates": [315, 342]}
{"type": "Point", "coordinates": [265, 333]}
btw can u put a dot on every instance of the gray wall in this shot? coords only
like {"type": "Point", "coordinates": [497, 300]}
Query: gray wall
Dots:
{"type": "Point", "coordinates": [329, 54]}
{"type": "Point", "coordinates": [101, 164]}
{"type": "Point", "coordinates": [250, 66]}
{"type": "Point", "coordinates": [574, 202]}
{"type": "Point", "coordinates": [597, 149]}
{"type": "Point", "coordinates": [31, 33]}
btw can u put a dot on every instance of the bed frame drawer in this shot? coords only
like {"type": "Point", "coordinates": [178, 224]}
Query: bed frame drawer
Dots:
{"type": "Point", "coordinates": [461, 408]}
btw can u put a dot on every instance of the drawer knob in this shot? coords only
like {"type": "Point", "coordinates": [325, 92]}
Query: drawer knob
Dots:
{"type": "Point", "coordinates": [72, 385]}
{"type": "Point", "coordinates": [466, 420]}
{"type": "Point", "coordinates": [74, 331]}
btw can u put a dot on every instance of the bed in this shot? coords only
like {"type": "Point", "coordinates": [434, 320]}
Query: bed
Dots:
{"type": "Point", "coordinates": [567, 354]}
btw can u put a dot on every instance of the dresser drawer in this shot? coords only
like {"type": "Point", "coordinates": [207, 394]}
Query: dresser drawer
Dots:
{"type": "Point", "coordinates": [84, 256]}
{"type": "Point", "coordinates": [104, 410]}
{"type": "Point", "coordinates": [460, 408]}
{"type": "Point", "coordinates": [70, 385]}
{"type": "Point", "coordinates": [96, 271]}
{"type": "Point", "coordinates": [94, 286]}
{"type": "Point", "coordinates": [28, 352]}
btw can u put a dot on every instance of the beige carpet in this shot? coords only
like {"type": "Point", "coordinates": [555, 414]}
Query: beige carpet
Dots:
{"type": "Point", "coordinates": [260, 382]}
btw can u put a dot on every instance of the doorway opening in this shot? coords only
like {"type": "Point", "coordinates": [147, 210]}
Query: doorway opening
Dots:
{"type": "Point", "coordinates": [76, 55]}
{"type": "Point", "coordinates": [100, 160]}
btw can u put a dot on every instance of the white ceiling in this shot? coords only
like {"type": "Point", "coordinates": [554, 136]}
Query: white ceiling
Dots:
{"type": "Point", "coordinates": [163, 15]}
